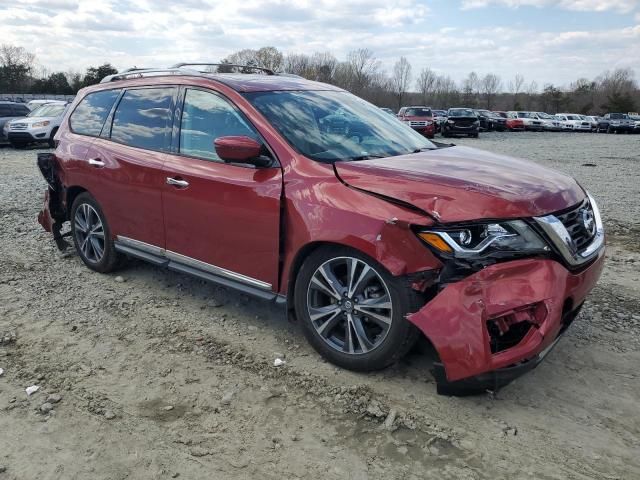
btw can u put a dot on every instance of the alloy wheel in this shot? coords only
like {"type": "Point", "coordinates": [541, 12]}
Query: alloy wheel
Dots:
{"type": "Point", "coordinates": [349, 305]}
{"type": "Point", "coordinates": [89, 233]}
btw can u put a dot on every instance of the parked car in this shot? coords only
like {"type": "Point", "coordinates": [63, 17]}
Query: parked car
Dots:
{"type": "Point", "coordinates": [461, 121]}
{"type": "Point", "coordinates": [439, 116]}
{"type": "Point", "coordinates": [38, 126]}
{"type": "Point", "coordinates": [529, 119]}
{"type": "Point", "coordinates": [593, 120]}
{"type": "Point", "coordinates": [9, 111]}
{"type": "Point", "coordinates": [388, 110]}
{"type": "Point", "coordinates": [616, 123]}
{"type": "Point", "coordinates": [491, 121]}
{"type": "Point", "coordinates": [636, 123]}
{"type": "Point", "coordinates": [370, 242]}
{"type": "Point", "coordinates": [565, 123]}
{"type": "Point", "coordinates": [574, 122]}
{"type": "Point", "coordinates": [549, 122]}
{"type": "Point", "coordinates": [419, 118]}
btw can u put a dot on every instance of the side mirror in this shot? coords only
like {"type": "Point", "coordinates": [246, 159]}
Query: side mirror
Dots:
{"type": "Point", "coordinates": [240, 149]}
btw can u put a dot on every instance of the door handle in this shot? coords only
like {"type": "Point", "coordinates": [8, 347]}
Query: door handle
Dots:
{"type": "Point", "coordinates": [176, 182]}
{"type": "Point", "coordinates": [96, 162]}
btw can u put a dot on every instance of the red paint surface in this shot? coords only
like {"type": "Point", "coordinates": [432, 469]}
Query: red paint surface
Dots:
{"type": "Point", "coordinates": [455, 320]}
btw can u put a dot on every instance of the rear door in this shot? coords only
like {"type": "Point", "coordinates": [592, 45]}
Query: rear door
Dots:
{"type": "Point", "coordinates": [126, 163]}
{"type": "Point", "coordinates": [221, 218]}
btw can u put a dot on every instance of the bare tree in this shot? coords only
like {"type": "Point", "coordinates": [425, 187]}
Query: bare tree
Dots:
{"type": "Point", "coordinates": [269, 57]}
{"type": "Point", "coordinates": [323, 66]}
{"type": "Point", "coordinates": [16, 67]}
{"type": "Point", "coordinates": [515, 87]}
{"type": "Point", "coordinates": [470, 87]}
{"type": "Point", "coordinates": [297, 63]}
{"type": "Point", "coordinates": [532, 90]}
{"type": "Point", "coordinates": [490, 85]}
{"type": "Point", "coordinates": [426, 84]}
{"type": "Point", "coordinates": [362, 65]}
{"type": "Point", "coordinates": [401, 79]}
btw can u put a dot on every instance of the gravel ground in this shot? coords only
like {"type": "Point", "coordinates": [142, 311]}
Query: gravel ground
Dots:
{"type": "Point", "coordinates": [148, 374]}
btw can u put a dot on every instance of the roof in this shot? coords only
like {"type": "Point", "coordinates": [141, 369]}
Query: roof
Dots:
{"type": "Point", "coordinates": [243, 82]}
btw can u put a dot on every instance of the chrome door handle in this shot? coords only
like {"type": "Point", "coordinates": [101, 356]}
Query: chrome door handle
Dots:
{"type": "Point", "coordinates": [177, 183]}
{"type": "Point", "coordinates": [95, 162]}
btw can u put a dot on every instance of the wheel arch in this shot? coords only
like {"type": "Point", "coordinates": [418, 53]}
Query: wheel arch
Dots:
{"type": "Point", "coordinates": [70, 196]}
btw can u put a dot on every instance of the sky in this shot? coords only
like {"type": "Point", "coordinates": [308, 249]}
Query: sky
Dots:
{"type": "Point", "coordinates": [548, 41]}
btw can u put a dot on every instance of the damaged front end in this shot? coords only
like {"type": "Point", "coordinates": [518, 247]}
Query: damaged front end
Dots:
{"type": "Point", "coordinates": [53, 213]}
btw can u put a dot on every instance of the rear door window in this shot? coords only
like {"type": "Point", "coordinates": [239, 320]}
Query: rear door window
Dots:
{"type": "Point", "coordinates": [20, 110]}
{"type": "Point", "coordinates": [89, 116]}
{"type": "Point", "coordinates": [143, 118]}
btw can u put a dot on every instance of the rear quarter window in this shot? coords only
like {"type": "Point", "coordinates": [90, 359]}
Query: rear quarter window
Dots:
{"type": "Point", "coordinates": [143, 118]}
{"type": "Point", "coordinates": [90, 115]}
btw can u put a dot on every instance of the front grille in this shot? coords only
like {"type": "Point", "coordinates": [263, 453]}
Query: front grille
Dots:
{"type": "Point", "coordinates": [418, 124]}
{"type": "Point", "coordinates": [576, 221]}
{"type": "Point", "coordinates": [18, 126]}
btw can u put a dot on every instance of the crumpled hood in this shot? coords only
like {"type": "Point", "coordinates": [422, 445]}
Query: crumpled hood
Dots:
{"type": "Point", "coordinates": [459, 183]}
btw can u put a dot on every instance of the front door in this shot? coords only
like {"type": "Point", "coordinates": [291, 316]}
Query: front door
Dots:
{"type": "Point", "coordinates": [224, 216]}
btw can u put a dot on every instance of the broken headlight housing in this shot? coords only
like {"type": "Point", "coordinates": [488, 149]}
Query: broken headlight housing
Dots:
{"type": "Point", "coordinates": [478, 240]}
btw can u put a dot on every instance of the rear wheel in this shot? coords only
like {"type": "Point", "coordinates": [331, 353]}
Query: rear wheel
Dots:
{"type": "Point", "coordinates": [91, 235]}
{"type": "Point", "coordinates": [353, 311]}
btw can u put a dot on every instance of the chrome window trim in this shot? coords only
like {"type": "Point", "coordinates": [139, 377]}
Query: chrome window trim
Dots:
{"type": "Point", "coordinates": [192, 262]}
{"type": "Point", "coordinates": [559, 236]}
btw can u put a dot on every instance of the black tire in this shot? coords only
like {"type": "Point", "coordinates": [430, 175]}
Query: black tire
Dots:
{"type": "Point", "coordinates": [110, 259]}
{"type": "Point", "coordinates": [444, 133]}
{"type": "Point", "coordinates": [51, 142]}
{"type": "Point", "coordinates": [399, 337]}
{"type": "Point", "coordinates": [610, 130]}
{"type": "Point", "coordinates": [474, 135]}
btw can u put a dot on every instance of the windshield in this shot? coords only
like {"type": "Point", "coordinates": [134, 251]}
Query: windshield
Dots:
{"type": "Point", "coordinates": [573, 117]}
{"type": "Point", "coordinates": [618, 116]}
{"type": "Point", "coordinates": [525, 115]}
{"type": "Point", "coordinates": [546, 116]}
{"type": "Point", "coordinates": [48, 110]}
{"type": "Point", "coordinates": [418, 112]}
{"type": "Point", "coordinates": [330, 126]}
{"type": "Point", "coordinates": [461, 112]}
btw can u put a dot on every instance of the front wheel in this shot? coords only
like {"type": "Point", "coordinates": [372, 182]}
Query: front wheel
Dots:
{"type": "Point", "coordinates": [353, 311]}
{"type": "Point", "coordinates": [91, 235]}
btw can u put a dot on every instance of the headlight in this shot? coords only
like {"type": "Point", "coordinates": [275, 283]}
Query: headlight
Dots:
{"type": "Point", "coordinates": [40, 124]}
{"type": "Point", "coordinates": [477, 122]}
{"type": "Point", "coordinates": [481, 239]}
{"type": "Point", "coordinates": [450, 122]}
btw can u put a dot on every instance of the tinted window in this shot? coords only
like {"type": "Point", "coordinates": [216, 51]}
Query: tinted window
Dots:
{"type": "Point", "coordinates": [205, 117]}
{"type": "Point", "coordinates": [90, 114]}
{"type": "Point", "coordinates": [143, 118]}
{"type": "Point", "coordinates": [5, 111]}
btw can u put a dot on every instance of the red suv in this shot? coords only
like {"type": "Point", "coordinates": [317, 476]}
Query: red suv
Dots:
{"type": "Point", "coordinates": [420, 119]}
{"type": "Point", "coordinates": [301, 193]}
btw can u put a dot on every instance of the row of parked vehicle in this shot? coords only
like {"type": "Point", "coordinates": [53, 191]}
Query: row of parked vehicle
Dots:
{"type": "Point", "coordinates": [34, 122]}
{"type": "Point", "coordinates": [467, 121]}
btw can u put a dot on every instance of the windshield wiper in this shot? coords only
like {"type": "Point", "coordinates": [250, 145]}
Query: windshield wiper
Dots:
{"type": "Point", "coordinates": [363, 157]}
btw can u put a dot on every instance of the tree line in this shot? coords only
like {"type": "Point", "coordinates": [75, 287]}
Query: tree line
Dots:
{"type": "Point", "coordinates": [361, 73]}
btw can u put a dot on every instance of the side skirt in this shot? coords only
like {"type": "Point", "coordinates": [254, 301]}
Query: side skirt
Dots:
{"type": "Point", "coordinates": [196, 268]}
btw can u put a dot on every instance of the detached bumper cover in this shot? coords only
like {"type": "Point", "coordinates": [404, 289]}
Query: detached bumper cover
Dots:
{"type": "Point", "coordinates": [456, 320]}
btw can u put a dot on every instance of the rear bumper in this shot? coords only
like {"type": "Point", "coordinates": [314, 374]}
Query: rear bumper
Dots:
{"type": "Point", "coordinates": [540, 296]}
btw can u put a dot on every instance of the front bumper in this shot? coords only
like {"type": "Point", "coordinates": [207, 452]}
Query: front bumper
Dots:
{"type": "Point", "coordinates": [540, 294]}
{"type": "Point", "coordinates": [426, 130]}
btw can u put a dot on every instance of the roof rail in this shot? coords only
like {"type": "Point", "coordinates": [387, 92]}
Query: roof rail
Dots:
{"type": "Point", "coordinates": [178, 69]}
{"type": "Point", "coordinates": [268, 71]}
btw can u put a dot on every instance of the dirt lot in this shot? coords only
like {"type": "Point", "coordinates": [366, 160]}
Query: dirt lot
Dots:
{"type": "Point", "coordinates": [163, 376]}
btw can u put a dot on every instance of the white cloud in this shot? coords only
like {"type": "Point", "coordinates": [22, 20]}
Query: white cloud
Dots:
{"type": "Point", "coordinates": [621, 6]}
{"type": "Point", "coordinates": [76, 34]}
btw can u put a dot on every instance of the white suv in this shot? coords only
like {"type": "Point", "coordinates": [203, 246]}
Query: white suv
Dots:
{"type": "Point", "coordinates": [40, 125]}
{"type": "Point", "coordinates": [575, 122]}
